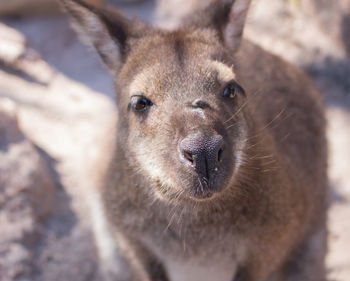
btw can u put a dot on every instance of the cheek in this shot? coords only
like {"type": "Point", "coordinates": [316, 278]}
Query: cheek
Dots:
{"type": "Point", "coordinates": [149, 153]}
{"type": "Point", "coordinates": [234, 129]}
{"type": "Point", "coordinates": [240, 145]}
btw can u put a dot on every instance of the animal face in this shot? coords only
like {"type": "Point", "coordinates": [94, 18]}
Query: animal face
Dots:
{"type": "Point", "coordinates": [180, 107]}
{"type": "Point", "coordinates": [179, 100]}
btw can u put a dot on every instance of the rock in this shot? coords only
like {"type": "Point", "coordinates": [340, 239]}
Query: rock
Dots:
{"type": "Point", "coordinates": [15, 262]}
{"type": "Point", "coordinates": [334, 18]}
{"type": "Point", "coordinates": [169, 13]}
{"type": "Point", "coordinates": [126, 1]}
{"type": "Point", "coordinates": [63, 117]}
{"type": "Point", "coordinates": [33, 7]}
{"type": "Point", "coordinates": [23, 171]}
{"type": "Point", "coordinates": [12, 44]}
{"type": "Point", "coordinates": [9, 131]}
{"type": "Point", "coordinates": [26, 197]}
{"type": "Point", "coordinates": [18, 56]}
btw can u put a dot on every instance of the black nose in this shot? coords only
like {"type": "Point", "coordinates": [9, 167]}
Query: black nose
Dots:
{"type": "Point", "coordinates": [203, 153]}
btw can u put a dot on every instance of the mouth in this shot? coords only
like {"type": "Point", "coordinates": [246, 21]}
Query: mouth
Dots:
{"type": "Point", "coordinates": [193, 186]}
{"type": "Point", "coordinates": [198, 190]}
{"type": "Point", "coordinates": [205, 187]}
{"type": "Point", "coordinates": [201, 196]}
{"type": "Point", "coordinates": [197, 181]}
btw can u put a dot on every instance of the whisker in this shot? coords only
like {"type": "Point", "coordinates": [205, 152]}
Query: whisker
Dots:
{"type": "Point", "coordinates": [242, 106]}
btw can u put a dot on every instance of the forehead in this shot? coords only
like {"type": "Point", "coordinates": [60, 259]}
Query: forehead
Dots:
{"type": "Point", "coordinates": [178, 62]}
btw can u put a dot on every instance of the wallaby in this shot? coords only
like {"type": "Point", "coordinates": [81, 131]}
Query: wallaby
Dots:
{"type": "Point", "coordinates": [218, 169]}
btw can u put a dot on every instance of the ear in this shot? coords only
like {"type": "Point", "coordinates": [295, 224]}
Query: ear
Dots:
{"type": "Point", "coordinates": [228, 17]}
{"type": "Point", "coordinates": [108, 32]}
{"type": "Point", "coordinates": [233, 30]}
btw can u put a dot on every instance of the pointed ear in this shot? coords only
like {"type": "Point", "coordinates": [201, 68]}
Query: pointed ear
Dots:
{"type": "Point", "coordinates": [107, 32]}
{"type": "Point", "coordinates": [228, 17]}
{"type": "Point", "coordinates": [233, 29]}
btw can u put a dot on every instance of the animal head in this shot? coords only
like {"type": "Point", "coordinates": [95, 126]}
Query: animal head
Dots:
{"type": "Point", "coordinates": [178, 95]}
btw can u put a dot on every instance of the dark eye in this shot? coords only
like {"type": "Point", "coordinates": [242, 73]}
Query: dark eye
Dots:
{"type": "Point", "coordinates": [140, 103]}
{"type": "Point", "coordinates": [232, 89]}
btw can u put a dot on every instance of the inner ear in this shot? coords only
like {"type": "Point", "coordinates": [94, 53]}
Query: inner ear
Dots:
{"type": "Point", "coordinates": [233, 30]}
{"type": "Point", "coordinates": [106, 30]}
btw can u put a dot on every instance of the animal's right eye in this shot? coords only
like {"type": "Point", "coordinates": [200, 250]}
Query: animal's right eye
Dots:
{"type": "Point", "coordinates": [232, 89]}
{"type": "Point", "coordinates": [140, 103]}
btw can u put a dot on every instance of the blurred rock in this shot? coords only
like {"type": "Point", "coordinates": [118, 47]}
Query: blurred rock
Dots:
{"type": "Point", "coordinates": [169, 13]}
{"type": "Point", "coordinates": [26, 197]}
{"type": "Point", "coordinates": [333, 16]}
{"type": "Point", "coordinates": [63, 117]}
{"type": "Point", "coordinates": [16, 55]}
{"type": "Point", "coordinates": [9, 131]}
{"type": "Point", "coordinates": [33, 7]}
{"type": "Point", "coordinates": [12, 44]}
{"type": "Point", "coordinates": [126, 1]}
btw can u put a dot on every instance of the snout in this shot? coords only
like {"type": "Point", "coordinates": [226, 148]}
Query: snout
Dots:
{"type": "Point", "coordinates": [203, 154]}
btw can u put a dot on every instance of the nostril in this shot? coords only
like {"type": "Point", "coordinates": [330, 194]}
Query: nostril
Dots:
{"type": "Point", "coordinates": [220, 152]}
{"type": "Point", "coordinates": [188, 156]}
{"type": "Point", "coordinates": [202, 152]}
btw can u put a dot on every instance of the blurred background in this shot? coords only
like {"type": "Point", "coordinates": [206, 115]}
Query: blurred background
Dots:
{"type": "Point", "coordinates": [56, 103]}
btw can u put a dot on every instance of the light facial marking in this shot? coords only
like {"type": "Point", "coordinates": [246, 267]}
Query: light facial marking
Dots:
{"type": "Point", "coordinates": [200, 113]}
{"type": "Point", "coordinates": [155, 171]}
{"type": "Point", "coordinates": [225, 73]}
{"type": "Point", "coordinates": [240, 146]}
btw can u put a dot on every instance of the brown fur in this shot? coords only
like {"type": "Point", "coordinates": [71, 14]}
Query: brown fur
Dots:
{"type": "Point", "coordinates": [268, 214]}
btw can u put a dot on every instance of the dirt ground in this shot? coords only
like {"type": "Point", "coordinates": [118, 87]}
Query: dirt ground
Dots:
{"type": "Point", "coordinates": [68, 122]}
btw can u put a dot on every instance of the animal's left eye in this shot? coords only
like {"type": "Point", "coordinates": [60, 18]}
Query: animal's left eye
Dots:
{"type": "Point", "coordinates": [232, 89]}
